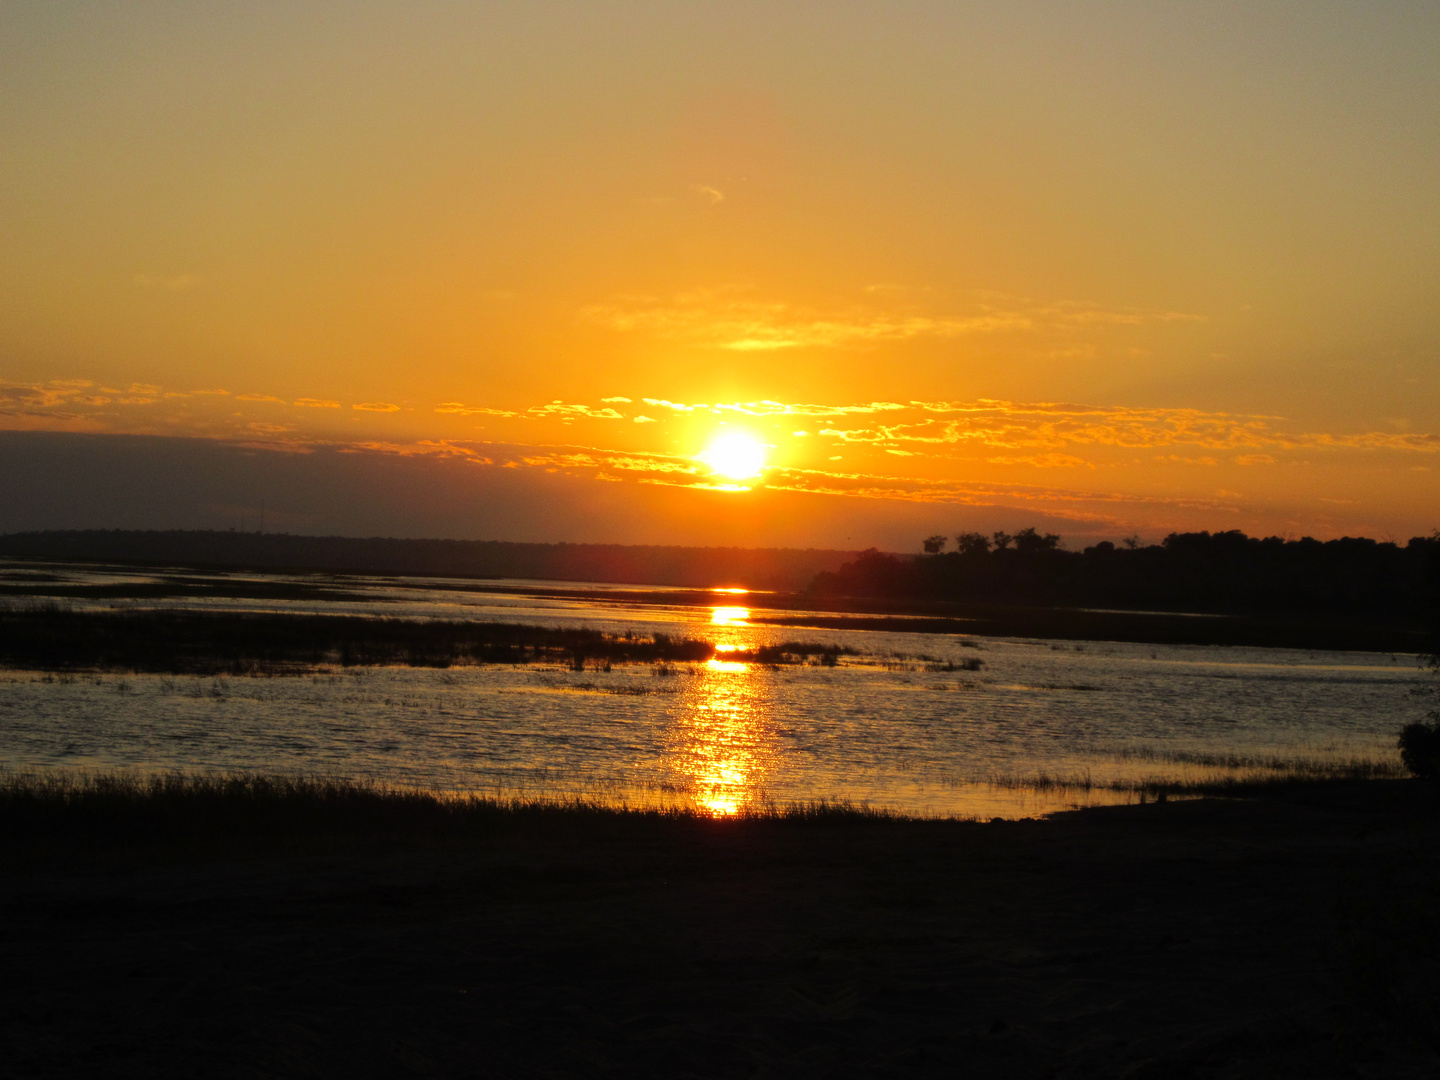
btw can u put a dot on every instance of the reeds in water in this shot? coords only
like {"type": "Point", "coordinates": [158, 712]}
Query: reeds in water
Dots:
{"type": "Point", "coordinates": [51, 637]}
{"type": "Point", "coordinates": [1198, 775]}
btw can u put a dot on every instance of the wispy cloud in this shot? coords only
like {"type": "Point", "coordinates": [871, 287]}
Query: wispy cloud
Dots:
{"type": "Point", "coordinates": [917, 436]}
{"type": "Point", "coordinates": [1111, 508]}
{"type": "Point", "coordinates": [731, 322]}
{"type": "Point", "coordinates": [470, 452]}
{"type": "Point", "coordinates": [733, 318]}
{"type": "Point", "coordinates": [1054, 426]}
{"type": "Point", "coordinates": [776, 408]}
{"type": "Point", "coordinates": [74, 393]}
{"type": "Point", "coordinates": [678, 471]}
{"type": "Point", "coordinates": [559, 408]}
{"type": "Point", "coordinates": [1045, 461]}
{"type": "Point", "coordinates": [1374, 440]}
{"type": "Point", "coordinates": [460, 409]}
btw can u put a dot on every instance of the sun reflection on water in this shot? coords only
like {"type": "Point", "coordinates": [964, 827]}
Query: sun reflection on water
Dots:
{"type": "Point", "coordinates": [729, 616]}
{"type": "Point", "coordinates": [722, 745]}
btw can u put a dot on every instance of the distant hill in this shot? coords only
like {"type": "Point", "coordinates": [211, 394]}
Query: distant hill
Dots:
{"type": "Point", "coordinates": [756, 568]}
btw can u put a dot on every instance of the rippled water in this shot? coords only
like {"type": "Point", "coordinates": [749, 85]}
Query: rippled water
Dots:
{"type": "Point", "coordinates": [922, 723]}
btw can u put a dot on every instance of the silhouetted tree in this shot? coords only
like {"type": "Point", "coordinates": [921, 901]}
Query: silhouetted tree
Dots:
{"type": "Point", "coordinates": [1002, 540]}
{"type": "Point", "coordinates": [934, 544]}
{"type": "Point", "coordinates": [1030, 542]}
{"type": "Point", "coordinates": [972, 543]}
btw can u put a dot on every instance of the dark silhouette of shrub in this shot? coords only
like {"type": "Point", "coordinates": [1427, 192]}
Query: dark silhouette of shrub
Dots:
{"type": "Point", "coordinates": [1420, 749]}
{"type": "Point", "coordinates": [1420, 742]}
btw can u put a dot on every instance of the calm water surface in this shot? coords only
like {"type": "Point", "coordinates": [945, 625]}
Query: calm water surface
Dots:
{"type": "Point", "coordinates": [923, 723]}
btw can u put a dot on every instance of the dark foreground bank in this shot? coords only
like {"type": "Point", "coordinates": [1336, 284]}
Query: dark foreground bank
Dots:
{"type": "Point", "coordinates": [311, 934]}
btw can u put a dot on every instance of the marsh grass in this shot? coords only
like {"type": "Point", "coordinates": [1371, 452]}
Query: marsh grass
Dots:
{"type": "Point", "coordinates": [55, 638]}
{"type": "Point", "coordinates": [969, 663]}
{"type": "Point", "coordinates": [1208, 775]}
{"type": "Point", "coordinates": [1351, 768]}
{"type": "Point", "coordinates": [49, 815]}
{"type": "Point", "coordinates": [58, 813]}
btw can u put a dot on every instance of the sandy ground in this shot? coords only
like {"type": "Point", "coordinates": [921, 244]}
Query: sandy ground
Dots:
{"type": "Point", "coordinates": [1286, 937]}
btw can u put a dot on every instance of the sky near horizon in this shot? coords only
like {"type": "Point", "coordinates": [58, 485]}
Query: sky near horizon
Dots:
{"type": "Point", "coordinates": [1122, 267]}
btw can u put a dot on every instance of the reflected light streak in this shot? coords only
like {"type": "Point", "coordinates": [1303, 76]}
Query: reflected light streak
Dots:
{"type": "Point", "coordinates": [721, 743]}
{"type": "Point", "coordinates": [729, 616]}
{"type": "Point", "coordinates": [731, 667]}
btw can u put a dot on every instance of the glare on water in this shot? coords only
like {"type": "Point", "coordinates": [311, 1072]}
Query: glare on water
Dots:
{"type": "Point", "coordinates": [722, 745]}
{"type": "Point", "coordinates": [729, 616]}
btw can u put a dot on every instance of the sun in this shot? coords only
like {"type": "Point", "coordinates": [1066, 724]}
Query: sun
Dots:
{"type": "Point", "coordinates": [736, 455]}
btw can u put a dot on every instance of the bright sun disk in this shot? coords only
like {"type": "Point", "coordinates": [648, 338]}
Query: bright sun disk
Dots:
{"type": "Point", "coordinates": [735, 455]}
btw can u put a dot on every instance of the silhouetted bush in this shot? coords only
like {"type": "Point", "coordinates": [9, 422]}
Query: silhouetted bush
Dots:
{"type": "Point", "coordinates": [1420, 749]}
{"type": "Point", "coordinates": [1420, 742]}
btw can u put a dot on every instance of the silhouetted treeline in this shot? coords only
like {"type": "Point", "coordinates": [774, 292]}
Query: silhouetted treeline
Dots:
{"type": "Point", "coordinates": [756, 568]}
{"type": "Point", "coordinates": [1199, 572]}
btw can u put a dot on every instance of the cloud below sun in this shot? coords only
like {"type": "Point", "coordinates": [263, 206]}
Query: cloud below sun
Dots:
{"type": "Point", "coordinates": [1153, 461]}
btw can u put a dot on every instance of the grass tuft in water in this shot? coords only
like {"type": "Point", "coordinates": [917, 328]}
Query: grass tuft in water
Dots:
{"type": "Point", "coordinates": [1212, 775]}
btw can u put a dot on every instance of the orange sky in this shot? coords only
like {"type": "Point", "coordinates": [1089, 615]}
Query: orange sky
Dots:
{"type": "Point", "coordinates": [1128, 267]}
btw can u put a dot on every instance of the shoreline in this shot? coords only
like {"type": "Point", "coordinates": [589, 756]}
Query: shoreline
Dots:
{"type": "Point", "coordinates": [1281, 630]}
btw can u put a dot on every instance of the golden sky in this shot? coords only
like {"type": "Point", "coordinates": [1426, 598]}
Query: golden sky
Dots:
{"type": "Point", "coordinates": [1124, 267]}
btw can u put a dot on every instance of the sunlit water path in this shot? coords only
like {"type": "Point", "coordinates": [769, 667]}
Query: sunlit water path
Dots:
{"type": "Point", "coordinates": [923, 723]}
